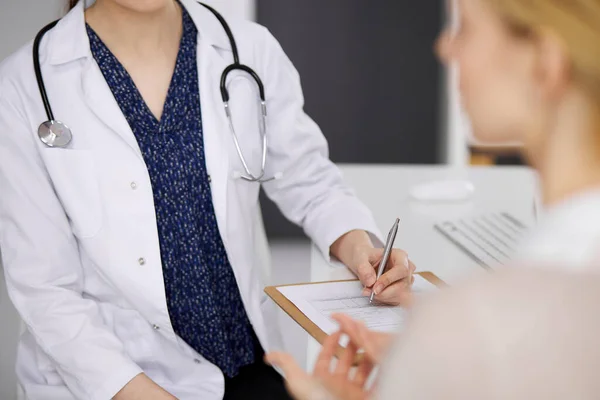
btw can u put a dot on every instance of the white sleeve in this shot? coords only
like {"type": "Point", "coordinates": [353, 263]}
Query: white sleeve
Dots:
{"type": "Point", "coordinates": [311, 192]}
{"type": "Point", "coordinates": [44, 274]}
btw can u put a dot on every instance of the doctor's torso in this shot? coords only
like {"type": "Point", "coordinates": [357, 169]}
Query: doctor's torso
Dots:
{"type": "Point", "coordinates": [101, 184]}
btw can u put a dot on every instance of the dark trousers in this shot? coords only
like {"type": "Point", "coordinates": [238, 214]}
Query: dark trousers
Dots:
{"type": "Point", "coordinates": [256, 381]}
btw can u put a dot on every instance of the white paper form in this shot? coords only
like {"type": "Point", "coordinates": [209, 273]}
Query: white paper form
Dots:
{"type": "Point", "coordinates": [319, 301]}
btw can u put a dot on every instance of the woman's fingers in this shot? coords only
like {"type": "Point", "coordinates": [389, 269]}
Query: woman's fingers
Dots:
{"type": "Point", "coordinates": [287, 364]}
{"type": "Point", "coordinates": [349, 327]}
{"type": "Point", "coordinates": [345, 362]}
{"type": "Point", "coordinates": [323, 364]}
{"type": "Point", "coordinates": [363, 371]}
{"type": "Point", "coordinates": [300, 385]}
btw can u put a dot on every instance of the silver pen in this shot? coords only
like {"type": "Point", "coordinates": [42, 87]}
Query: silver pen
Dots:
{"type": "Point", "coordinates": [389, 244]}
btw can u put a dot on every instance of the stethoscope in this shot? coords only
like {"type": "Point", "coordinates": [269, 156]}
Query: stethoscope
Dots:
{"type": "Point", "coordinates": [54, 133]}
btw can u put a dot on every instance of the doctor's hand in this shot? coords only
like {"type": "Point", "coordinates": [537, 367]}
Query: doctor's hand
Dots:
{"type": "Point", "coordinates": [356, 250]}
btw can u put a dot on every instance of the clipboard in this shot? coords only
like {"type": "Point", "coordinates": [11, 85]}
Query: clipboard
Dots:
{"type": "Point", "coordinates": [310, 327]}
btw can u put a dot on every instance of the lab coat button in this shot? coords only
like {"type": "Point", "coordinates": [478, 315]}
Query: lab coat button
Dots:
{"type": "Point", "coordinates": [142, 261]}
{"type": "Point", "coordinates": [133, 185]}
{"type": "Point", "coordinates": [155, 327]}
{"type": "Point", "coordinates": [209, 179]}
{"type": "Point", "coordinates": [197, 361]}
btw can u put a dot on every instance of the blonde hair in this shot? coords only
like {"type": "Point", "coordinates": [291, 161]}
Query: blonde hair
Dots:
{"type": "Point", "coordinates": [575, 22]}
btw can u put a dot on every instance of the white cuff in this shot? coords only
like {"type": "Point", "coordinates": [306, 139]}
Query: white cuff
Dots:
{"type": "Point", "coordinates": [339, 221]}
{"type": "Point", "coordinates": [116, 381]}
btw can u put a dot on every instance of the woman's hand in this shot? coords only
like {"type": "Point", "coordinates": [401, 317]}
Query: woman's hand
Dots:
{"type": "Point", "coordinates": [374, 344]}
{"type": "Point", "coordinates": [393, 287]}
{"type": "Point", "coordinates": [340, 383]}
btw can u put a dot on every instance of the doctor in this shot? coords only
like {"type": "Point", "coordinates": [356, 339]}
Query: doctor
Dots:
{"type": "Point", "coordinates": [128, 202]}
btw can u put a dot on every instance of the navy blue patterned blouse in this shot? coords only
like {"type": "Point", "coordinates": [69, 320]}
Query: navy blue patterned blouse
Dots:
{"type": "Point", "coordinates": [203, 298]}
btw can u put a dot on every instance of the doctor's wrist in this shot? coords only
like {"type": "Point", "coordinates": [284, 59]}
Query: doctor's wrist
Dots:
{"type": "Point", "coordinates": [345, 247]}
{"type": "Point", "coordinates": [143, 388]}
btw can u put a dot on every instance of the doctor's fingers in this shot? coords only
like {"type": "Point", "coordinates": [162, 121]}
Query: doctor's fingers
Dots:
{"type": "Point", "coordinates": [400, 268]}
{"type": "Point", "coordinates": [367, 269]}
{"type": "Point", "coordinates": [397, 294]}
{"type": "Point", "coordinates": [396, 256]}
{"type": "Point", "coordinates": [366, 274]}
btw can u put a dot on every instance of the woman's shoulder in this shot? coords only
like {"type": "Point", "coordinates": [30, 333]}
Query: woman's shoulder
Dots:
{"type": "Point", "coordinates": [17, 76]}
{"type": "Point", "coordinates": [18, 63]}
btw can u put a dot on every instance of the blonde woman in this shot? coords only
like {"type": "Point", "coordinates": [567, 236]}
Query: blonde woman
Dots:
{"type": "Point", "coordinates": [530, 72]}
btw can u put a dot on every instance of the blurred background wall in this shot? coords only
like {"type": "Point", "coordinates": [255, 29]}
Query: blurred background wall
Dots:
{"type": "Point", "coordinates": [370, 79]}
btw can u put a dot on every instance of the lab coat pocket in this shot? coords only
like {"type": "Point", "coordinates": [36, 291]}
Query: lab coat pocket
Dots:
{"type": "Point", "coordinates": [74, 177]}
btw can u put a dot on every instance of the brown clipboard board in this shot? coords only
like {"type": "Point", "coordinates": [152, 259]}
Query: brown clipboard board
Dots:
{"type": "Point", "coordinates": [310, 327]}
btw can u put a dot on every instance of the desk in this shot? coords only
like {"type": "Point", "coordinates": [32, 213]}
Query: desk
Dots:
{"type": "Point", "coordinates": [510, 189]}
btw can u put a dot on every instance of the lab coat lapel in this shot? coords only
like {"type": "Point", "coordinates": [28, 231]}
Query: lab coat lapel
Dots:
{"type": "Point", "coordinates": [101, 101]}
{"type": "Point", "coordinates": [215, 128]}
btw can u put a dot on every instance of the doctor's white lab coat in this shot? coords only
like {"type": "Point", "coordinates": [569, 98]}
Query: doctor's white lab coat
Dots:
{"type": "Point", "coordinates": [77, 225]}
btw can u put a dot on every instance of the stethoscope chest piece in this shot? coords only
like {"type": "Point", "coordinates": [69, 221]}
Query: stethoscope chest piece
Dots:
{"type": "Point", "coordinates": [55, 134]}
